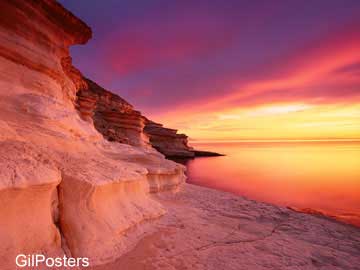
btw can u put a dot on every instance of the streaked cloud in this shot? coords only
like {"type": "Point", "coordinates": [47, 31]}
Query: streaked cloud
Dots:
{"type": "Point", "coordinates": [231, 69]}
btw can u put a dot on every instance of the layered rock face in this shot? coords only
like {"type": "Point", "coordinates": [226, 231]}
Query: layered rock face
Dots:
{"type": "Point", "coordinates": [168, 141]}
{"type": "Point", "coordinates": [173, 145]}
{"type": "Point", "coordinates": [66, 189]}
{"type": "Point", "coordinates": [118, 121]}
{"type": "Point", "coordinates": [113, 117]}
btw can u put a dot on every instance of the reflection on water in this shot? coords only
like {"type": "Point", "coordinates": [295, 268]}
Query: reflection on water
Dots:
{"type": "Point", "coordinates": [323, 176]}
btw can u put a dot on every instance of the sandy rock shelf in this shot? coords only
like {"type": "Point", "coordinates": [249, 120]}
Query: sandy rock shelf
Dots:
{"type": "Point", "coordinates": [209, 229]}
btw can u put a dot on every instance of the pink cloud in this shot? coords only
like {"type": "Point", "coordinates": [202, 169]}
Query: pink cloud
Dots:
{"type": "Point", "coordinates": [313, 74]}
{"type": "Point", "coordinates": [154, 46]}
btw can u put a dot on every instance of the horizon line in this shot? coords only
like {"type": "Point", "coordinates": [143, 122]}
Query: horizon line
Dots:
{"type": "Point", "coordinates": [274, 140]}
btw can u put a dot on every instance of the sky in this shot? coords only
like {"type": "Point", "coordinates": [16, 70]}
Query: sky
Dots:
{"type": "Point", "coordinates": [230, 70]}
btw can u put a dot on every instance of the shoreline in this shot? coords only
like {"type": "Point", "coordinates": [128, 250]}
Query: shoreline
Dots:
{"type": "Point", "coordinates": [348, 217]}
{"type": "Point", "coordinates": [205, 228]}
{"type": "Point", "coordinates": [324, 214]}
{"type": "Point", "coordinates": [307, 210]}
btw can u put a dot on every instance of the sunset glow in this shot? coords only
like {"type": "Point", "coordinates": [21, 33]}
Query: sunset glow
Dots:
{"type": "Point", "coordinates": [170, 135]}
{"type": "Point", "coordinates": [216, 72]}
{"type": "Point", "coordinates": [281, 121]}
{"type": "Point", "coordinates": [303, 179]}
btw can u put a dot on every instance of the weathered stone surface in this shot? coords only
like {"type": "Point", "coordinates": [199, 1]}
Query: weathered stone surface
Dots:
{"type": "Point", "coordinates": [117, 121]}
{"type": "Point", "coordinates": [173, 145]}
{"type": "Point", "coordinates": [205, 229]}
{"type": "Point", "coordinates": [168, 141]}
{"type": "Point", "coordinates": [66, 189]}
{"type": "Point", "coordinates": [37, 35]}
{"type": "Point", "coordinates": [112, 116]}
{"type": "Point", "coordinates": [28, 200]}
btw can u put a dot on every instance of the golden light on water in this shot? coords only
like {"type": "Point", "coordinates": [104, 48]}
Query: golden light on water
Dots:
{"type": "Point", "coordinates": [324, 176]}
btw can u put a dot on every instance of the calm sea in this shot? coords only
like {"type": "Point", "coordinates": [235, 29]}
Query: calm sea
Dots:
{"type": "Point", "coordinates": [321, 176]}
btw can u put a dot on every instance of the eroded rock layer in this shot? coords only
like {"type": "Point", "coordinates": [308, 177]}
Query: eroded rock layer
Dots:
{"type": "Point", "coordinates": [118, 121]}
{"type": "Point", "coordinates": [113, 117]}
{"type": "Point", "coordinates": [66, 189]}
{"type": "Point", "coordinates": [172, 144]}
{"type": "Point", "coordinates": [168, 141]}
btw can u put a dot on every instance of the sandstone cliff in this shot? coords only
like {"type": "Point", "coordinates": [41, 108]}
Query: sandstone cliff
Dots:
{"type": "Point", "coordinates": [118, 121]}
{"type": "Point", "coordinates": [168, 141]}
{"type": "Point", "coordinates": [112, 116]}
{"type": "Point", "coordinates": [67, 189]}
{"type": "Point", "coordinates": [172, 144]}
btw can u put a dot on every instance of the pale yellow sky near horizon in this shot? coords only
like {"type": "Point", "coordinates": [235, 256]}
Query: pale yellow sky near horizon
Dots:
{"type": "Point", "coordinates": [280, 121]}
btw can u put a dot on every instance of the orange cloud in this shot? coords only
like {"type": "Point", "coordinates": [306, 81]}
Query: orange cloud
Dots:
{"type": "Point", "coordinates": [317, 77]}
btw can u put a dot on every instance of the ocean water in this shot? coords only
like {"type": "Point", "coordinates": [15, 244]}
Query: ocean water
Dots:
{"type": "Point", "coordinates": [322, 176]}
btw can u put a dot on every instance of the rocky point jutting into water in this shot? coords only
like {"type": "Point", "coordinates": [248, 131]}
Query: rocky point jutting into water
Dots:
{"type": "Point", "coordinates": [168, 141]}
{"type": "Point", "coordinates": [78, 176]}
{"type": "Point", "coordinates": [117, 121]}
{"type": "Point", "coordinates": [171, 143]}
